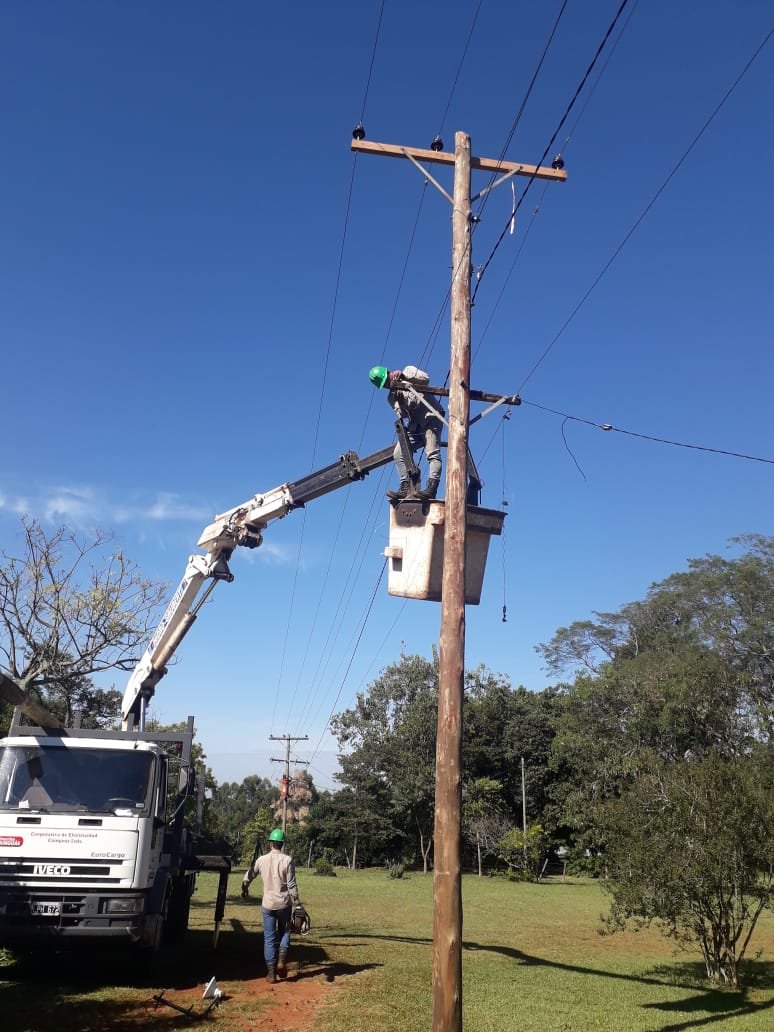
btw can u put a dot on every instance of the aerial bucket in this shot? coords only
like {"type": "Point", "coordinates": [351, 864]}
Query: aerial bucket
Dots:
{"type": "Point", "coordinates": [415, 550]}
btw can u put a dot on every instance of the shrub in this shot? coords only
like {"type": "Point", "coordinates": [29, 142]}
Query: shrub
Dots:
{"type": "Point", "coordinates": [323, 866]}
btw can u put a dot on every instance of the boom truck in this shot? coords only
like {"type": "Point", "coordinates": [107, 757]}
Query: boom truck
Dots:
{"type": "Point", "coordinates": [94, 836]}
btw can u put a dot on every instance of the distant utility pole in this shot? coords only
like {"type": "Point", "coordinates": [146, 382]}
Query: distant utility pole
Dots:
{"type": "Point", "coordinates": [447, 878]}
{"type": "Point", "coordinates": [524, 811]}
{"type": "Point", "coordinates": [287, 739]}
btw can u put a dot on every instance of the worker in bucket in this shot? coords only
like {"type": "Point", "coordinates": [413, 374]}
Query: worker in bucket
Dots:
{"type": "Point", "coordinates": [280, 894]}
{"type": "Point", "coordinates": [420, 415]}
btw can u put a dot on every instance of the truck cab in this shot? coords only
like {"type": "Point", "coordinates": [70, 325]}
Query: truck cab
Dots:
{"type": "Point", "coordinates": [92, 837]}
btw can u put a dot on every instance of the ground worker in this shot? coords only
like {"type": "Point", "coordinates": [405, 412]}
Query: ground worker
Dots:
{"type": "Point", "coordinates": [280, 894]}
{"type": "Point", "coordinates": [421, 416]}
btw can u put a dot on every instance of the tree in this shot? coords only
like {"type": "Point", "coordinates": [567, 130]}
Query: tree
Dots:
{"type": "Point", "coordinates": [523, 851]}
{"type": "Point", "coordinates": [389, 762]}
{"type": "Point", "coordinates": [503, 724]}
{"type": "Point", "coordinates": [699, 859]}
{"type": "Point", "coordinates": [235, 804]}
{"type": "Point", "coordinates": [70, 607]}
{"type": "Point", "coordinates": [483, 818]}
{"type": "Point", "coordinates": [667, 692]}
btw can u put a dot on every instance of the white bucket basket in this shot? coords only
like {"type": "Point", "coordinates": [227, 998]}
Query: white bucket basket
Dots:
{"type": "Point", "coordinates": [415, 550]}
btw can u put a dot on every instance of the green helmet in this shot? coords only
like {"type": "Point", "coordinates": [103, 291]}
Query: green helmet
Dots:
{"type": "Point", "coordinates": [379, 376]}
{"type": "Point", "coordinates": [278, 835]}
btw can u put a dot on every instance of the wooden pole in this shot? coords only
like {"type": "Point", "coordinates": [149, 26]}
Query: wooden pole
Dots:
{"type": "Point", "coordinates": [447, 879]}
{"type": "Point", "coordinates": [524, 811]}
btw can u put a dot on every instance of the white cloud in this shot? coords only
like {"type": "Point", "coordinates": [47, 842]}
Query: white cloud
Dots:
{"type": "Point", "coordinates": [85, 506]}
{"type": "Point", "coordinates": [170, 507]}
{"type": "Point", "coordinates": [77, 505]}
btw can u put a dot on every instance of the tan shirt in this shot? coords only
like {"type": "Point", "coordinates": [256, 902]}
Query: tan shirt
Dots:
{"type": "Point", "coordinates": [278, 874]}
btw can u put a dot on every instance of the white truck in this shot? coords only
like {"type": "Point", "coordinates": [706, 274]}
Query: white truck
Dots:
{"type": "Point", "coordinates": [94, 839]}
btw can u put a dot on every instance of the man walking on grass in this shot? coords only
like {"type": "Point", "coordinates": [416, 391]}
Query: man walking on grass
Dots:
{"type": "Point", "coordinates": [280, 894]}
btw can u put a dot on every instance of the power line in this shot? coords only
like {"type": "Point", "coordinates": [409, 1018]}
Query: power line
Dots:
{"type": "Point", "coordinates": [645, 211]}
{"type": "Point", "coordinates": [563, 119]}
{"type": "Point", "coordinates": [608, 427]}
{"type": "Point", "coordinates": [563, 150]}
{"type": "Point", "coordinates": [323, 380]}
{"type": "Point", "coordinates": [459, 67]}
{"type": "Point", "coordinates": [351, 661]}
{"type": "Point", "coordinates": [525, 99]}
{"type": "Point", "coordinates": [371, 65]}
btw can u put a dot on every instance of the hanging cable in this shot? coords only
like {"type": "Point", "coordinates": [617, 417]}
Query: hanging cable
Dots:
{"type": "Point", "coordinates": [371, 65]}
{"type": "Point", "coordinates": [459, 69]}
{"type": "Point", "coordinates": [645, 211]}
{"type": "Point", "coordinates": [323, 381]}
{"type": "Point", "coordinates": [523, 105]}
{"type": "Point", "coordinates": [434, 332]}
{"type": "Point", "coordinates": [563, 150]}
{"type": "Point", "coordinates": [351, 661]}
{"type": "Point", "coordinates": [608, 428]}
{"type": "Point", "coordinates": [558, 129]}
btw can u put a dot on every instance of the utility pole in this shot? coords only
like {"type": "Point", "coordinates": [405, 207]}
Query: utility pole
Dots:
{"type": "Point", "coordinates": [447, 875]}
{"type": "Point", "coordinates": [287, 739]}
{"type": "Point", "coordinates": [524, 812]}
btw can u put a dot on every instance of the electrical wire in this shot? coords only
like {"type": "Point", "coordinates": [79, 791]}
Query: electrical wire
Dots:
{"type": "Point", "coordinates": [562, 151]}
{"type": "Point", "coordinates": [433, 335]}
{"type": "Point", "coordinates": [324, 377]}
{"type": "Point", "coordinates": [608, 427]}
{"type": "Point", "coordinates": [646, 209]}
{"type": "Point", "coordinates": [371, 65]}
{"type": "Point", "coordinates": [525, 99]}
{"type": "Point", "coordinates": [550, 143]}
{"type": "Point", "coordinates": [459, 67]}
{"type": "Point", "coordinates": [351, 661]}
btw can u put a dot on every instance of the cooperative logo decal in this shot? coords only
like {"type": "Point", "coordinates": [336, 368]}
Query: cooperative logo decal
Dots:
{"type": "Point", "coordinates": [11, 840]}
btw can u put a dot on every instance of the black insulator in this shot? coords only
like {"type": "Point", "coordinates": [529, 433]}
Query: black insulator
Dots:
{"type": "Point", "coordinates": [558, 162]}
{"type": "Point", "coordinates": [437, 144]}
{"type": "Point", "coordinates": [358, 133]}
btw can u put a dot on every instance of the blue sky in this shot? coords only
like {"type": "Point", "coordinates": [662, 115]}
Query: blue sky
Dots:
{"type": "Point", "coordinates": [196, 275]}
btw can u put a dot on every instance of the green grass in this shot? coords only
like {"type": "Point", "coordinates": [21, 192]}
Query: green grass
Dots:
{"type": "Point", "coordinates": [532, 960]}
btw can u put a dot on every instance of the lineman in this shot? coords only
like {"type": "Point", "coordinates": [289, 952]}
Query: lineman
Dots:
{"type": "Point", "coordinates": [280, 894]}
{"type": "Point", "coordinates": [422, 424]}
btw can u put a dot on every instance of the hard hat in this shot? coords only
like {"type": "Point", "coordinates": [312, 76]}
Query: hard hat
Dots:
{"type": "Point", "coordinates": [379, 376]}
{"type": "Point", "coordinates": [278, 835]}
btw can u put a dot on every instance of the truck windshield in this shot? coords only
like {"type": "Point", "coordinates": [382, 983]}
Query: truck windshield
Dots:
{"type": "Point", "coordinates": [58, 779]}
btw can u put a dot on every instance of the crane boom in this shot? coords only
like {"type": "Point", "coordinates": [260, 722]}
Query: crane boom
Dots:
{"type": "Point", "coordinates": [241, 526]}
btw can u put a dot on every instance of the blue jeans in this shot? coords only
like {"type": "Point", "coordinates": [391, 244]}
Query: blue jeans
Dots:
{"type": "Point", "coordinates": [276, 924]}
{"type": "Point", "coordinates": [430, 440]}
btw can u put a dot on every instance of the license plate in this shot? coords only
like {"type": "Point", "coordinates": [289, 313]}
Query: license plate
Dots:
{"type": "Point", "coordinates": [46, 909]}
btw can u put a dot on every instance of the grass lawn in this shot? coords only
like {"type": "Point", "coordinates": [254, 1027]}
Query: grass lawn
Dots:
{"type": "Point", "coordinates": [532, 960]}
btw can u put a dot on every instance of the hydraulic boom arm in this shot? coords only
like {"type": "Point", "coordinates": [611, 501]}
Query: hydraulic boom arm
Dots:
{"type": "Point", "coordinates": [243, 525]}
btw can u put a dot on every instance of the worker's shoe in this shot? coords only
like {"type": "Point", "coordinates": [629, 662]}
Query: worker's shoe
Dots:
{"type": "Point", "coordinates": [282, 964]}
{"type": "Point", "coordinates": [271, 974]}
{"type": "Point", "coordinates": [406, 490]}
{"type": "Point", "coordinates": [431, 490]}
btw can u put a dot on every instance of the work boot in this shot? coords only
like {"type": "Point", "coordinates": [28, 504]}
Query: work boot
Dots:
{"type": "Point", "coordinates": [271, 975]}
{"type": "Point", "coordinates": [431, 490]}
{"type": "Point", "coordinates": [402, 492]}
{"type": "Point", "coordinates": [282, 964]}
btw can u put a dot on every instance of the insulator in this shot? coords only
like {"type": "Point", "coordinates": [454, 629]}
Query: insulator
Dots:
{"type": "Point", "coordinates": [558, 162]}
{"type": "Point", "coordinates": [358, 133]}
{"type": "Point", "coordinates": [437, 144]}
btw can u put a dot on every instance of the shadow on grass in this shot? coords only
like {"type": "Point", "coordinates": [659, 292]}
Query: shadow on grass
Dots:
{"type": "Point", "coordinates": [73, 986]}
{"type": "Point", "coordinates": [717, 1004]}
